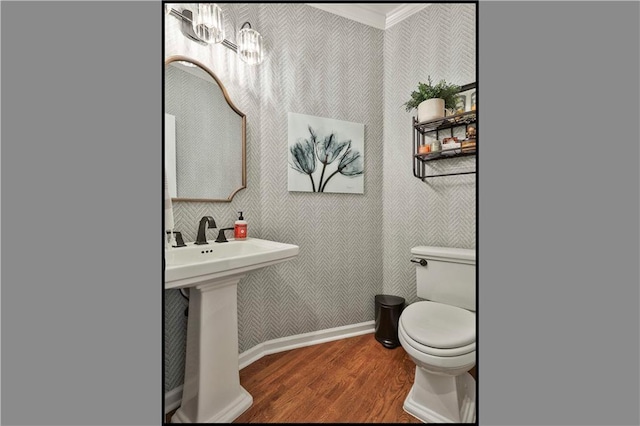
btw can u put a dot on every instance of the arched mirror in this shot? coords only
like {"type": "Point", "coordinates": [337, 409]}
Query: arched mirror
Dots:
{"type": "Point", "coordinates": [205, 134]}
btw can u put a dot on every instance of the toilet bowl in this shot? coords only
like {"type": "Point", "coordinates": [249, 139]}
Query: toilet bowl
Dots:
{"type": "Point", "coordinates": [439, 335]}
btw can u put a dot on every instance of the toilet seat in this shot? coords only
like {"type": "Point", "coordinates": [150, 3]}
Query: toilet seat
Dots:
{"type": "Point", "coordinates": [440, 328]}
{"type": "Point", "coordinates": [436, 352]}
{"type": "Point", "coordinates": [435, 363]}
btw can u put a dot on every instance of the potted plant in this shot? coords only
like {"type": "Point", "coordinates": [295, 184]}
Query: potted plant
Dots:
{"type": "Point", "coordinates": [431, 100]}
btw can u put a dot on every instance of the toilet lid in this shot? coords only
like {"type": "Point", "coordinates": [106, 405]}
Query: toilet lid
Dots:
{"type": "Point", "coordinates": [438, 325]}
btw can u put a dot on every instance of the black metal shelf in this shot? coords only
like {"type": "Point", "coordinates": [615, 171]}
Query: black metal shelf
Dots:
{"type": "Point", "coordinates": [446, 154]}
{"type": "Point", "coordinates": [447, 174]}
{"type": "Point", "coordinates": [419, 161]}
{"type": "Point", "coordinates": [433, 128]}
{"type": "Point", "coordinates": [462, 119]}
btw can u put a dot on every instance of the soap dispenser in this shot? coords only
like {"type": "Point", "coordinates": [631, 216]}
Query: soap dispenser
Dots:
{"type": "Point", "coordinates": [240, 228]}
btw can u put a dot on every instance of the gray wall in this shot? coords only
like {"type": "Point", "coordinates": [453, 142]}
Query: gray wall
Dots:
{"type": "Point", "coordinates": [438, 41]}
{"type": "Point", "coordinates": [318, 64]}
{"type": "Point", "coordinates": [351, 246]}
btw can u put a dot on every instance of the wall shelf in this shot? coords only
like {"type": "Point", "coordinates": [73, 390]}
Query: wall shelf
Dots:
{"type": "Point", "coordinates": [432, 129]}
{"type": "Point", "coordinates": [447, 122]}
{"type": "Point", "coordinates": [445, 155]}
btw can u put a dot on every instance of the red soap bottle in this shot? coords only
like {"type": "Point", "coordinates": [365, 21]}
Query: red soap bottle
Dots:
{"type": "Point", "coordinates": [240, 228]}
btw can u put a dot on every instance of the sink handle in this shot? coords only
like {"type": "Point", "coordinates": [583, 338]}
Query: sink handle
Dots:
{"type": "Point", "coordinates": [178, 237]}
{"type": "Point", "coordinates": [221, 237]}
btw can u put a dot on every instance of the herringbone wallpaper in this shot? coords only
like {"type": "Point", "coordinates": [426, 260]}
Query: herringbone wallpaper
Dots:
{"type": "Point", "coordinates": [351, 246]}
{"type": "Point", "coordinates": [438, 41]}
{"type": "Point", "coordinates": [323, 65]}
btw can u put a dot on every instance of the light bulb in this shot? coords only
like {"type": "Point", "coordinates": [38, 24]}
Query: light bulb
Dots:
{"type": "Point", "coordinates": [250, 46]}
{"type": "Point", "coordinates": [208, 23]}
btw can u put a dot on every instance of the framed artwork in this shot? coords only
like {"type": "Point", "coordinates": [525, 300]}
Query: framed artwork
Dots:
{"type": "Point", "coordinates": [325, 155]}
{"type": "Point", "coordinates": [466, 101]}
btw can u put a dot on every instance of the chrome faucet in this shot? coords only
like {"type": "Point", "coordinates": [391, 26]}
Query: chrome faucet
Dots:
{"type": "Point", "coordinates": [202, 236]}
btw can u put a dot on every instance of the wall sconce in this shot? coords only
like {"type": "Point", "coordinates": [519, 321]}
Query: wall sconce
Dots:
{"type": "Point", "coordinates": [250, 45]}
{"type": "Point", "coordinates": [205, 26]}
{"type": "Point", "coordinates": [207, 23]}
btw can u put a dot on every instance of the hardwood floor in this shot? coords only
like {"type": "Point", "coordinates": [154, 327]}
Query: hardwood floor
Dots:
{"type": "Point", "coordinates": [354, 380]}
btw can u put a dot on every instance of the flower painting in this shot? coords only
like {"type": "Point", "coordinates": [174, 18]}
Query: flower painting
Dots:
{"type": "Point", "coordinates": [325, 155]}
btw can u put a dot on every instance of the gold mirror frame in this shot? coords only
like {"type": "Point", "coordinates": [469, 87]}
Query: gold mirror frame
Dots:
{"type": "Point", "coordinates": [177, 58]}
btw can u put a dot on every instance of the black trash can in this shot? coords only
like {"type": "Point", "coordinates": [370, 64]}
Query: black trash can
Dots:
{"type": "Point", "coordinates": [388, 309]}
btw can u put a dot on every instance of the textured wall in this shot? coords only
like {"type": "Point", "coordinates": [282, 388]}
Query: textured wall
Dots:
{"type": "Point", "coordinates": [438, 41]}
{"type": "Point", "coordinates": [318, 64]}
{"type": "Point", "coordinates": [324, 65]}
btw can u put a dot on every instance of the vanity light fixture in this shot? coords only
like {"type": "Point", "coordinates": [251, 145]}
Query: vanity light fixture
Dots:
{"type": "Point", "coordinates": [250, 44]}
{"type": "Point", "coordinates": [205, 25]}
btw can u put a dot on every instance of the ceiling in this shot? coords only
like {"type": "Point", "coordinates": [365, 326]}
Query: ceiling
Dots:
{"type": "Point", "coordinates": [378, 15]}
{"type": "Point", "coordinates": [382, 8]}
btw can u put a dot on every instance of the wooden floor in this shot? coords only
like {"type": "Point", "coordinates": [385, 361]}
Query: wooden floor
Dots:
{"type": "Point", "coordinates": [354, 380]}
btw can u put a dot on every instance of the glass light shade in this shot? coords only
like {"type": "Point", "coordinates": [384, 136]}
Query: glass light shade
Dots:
{"type": "Point", "coordinates": [250, 46]}
{"type": "Point", "coordinates": [207, 23]}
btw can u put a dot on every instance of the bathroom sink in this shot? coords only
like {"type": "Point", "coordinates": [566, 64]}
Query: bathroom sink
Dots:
{"type": "Point", "coordinates": [187, 266]}
{"type": "Point", "coordinates": [212, 392]}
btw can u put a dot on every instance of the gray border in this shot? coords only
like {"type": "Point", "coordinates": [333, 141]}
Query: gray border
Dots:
{"type": "Point", "coordinates": [559, 252]}
{"type": "Point", "coordinates": [558, 213]}
{"type": "Point", "coordinates": [81, 200]}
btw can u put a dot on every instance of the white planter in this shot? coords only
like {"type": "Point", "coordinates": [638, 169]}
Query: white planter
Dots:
{"type": "Point", "coordinates": [431, 109]}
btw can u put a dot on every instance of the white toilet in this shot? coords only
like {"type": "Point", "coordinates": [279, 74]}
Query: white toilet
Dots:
{"type": "Point", "coordinates": [439, 334]}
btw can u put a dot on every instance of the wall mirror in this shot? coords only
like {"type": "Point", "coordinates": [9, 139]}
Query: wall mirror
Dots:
{"type": "Point", "coordinates": [205, 134]}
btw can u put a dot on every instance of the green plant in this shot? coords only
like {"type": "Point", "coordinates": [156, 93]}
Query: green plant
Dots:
{"type": "Point", "coordinates": [442, 90]}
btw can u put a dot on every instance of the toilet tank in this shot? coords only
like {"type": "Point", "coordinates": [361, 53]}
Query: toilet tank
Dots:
{"type": "Point", "coordinates": [448, 277]}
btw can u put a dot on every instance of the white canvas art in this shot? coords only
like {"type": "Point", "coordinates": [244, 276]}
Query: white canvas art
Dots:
{"type": "Point", "coordinates": [325, 155]}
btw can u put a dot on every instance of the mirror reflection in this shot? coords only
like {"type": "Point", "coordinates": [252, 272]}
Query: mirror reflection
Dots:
{"type": "Point", "coordinates": [204, 134]}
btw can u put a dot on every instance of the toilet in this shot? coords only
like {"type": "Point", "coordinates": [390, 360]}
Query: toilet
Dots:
{"type": "Point", "coordinates": [439, 335]}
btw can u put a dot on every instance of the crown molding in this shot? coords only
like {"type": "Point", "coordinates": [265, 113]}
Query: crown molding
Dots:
{"type": "Point", "coordinates": [403, 12]}
{"type": "Point", "coordinates": [365, 16]}
{"type": "Point", "coordinates": [353, 12]}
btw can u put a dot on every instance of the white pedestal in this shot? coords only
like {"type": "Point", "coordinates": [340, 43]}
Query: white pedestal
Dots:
{"type": "Point", "coordinates": [212, 391]}
{"type": "Point", "coordinates": [442, 399]}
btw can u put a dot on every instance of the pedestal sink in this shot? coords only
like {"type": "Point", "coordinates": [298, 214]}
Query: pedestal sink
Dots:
{"type": "Point", "coordinates": [212, 391]}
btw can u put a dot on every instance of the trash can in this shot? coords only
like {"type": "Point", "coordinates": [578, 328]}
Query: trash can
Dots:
{"type": "Point", "coordinates": [388, 309]}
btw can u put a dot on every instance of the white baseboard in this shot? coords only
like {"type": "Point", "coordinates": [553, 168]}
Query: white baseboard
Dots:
{"type": "Point", "coordinates": [300, 340]}
{"type": "Point", "coordinates": [173, 397]}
